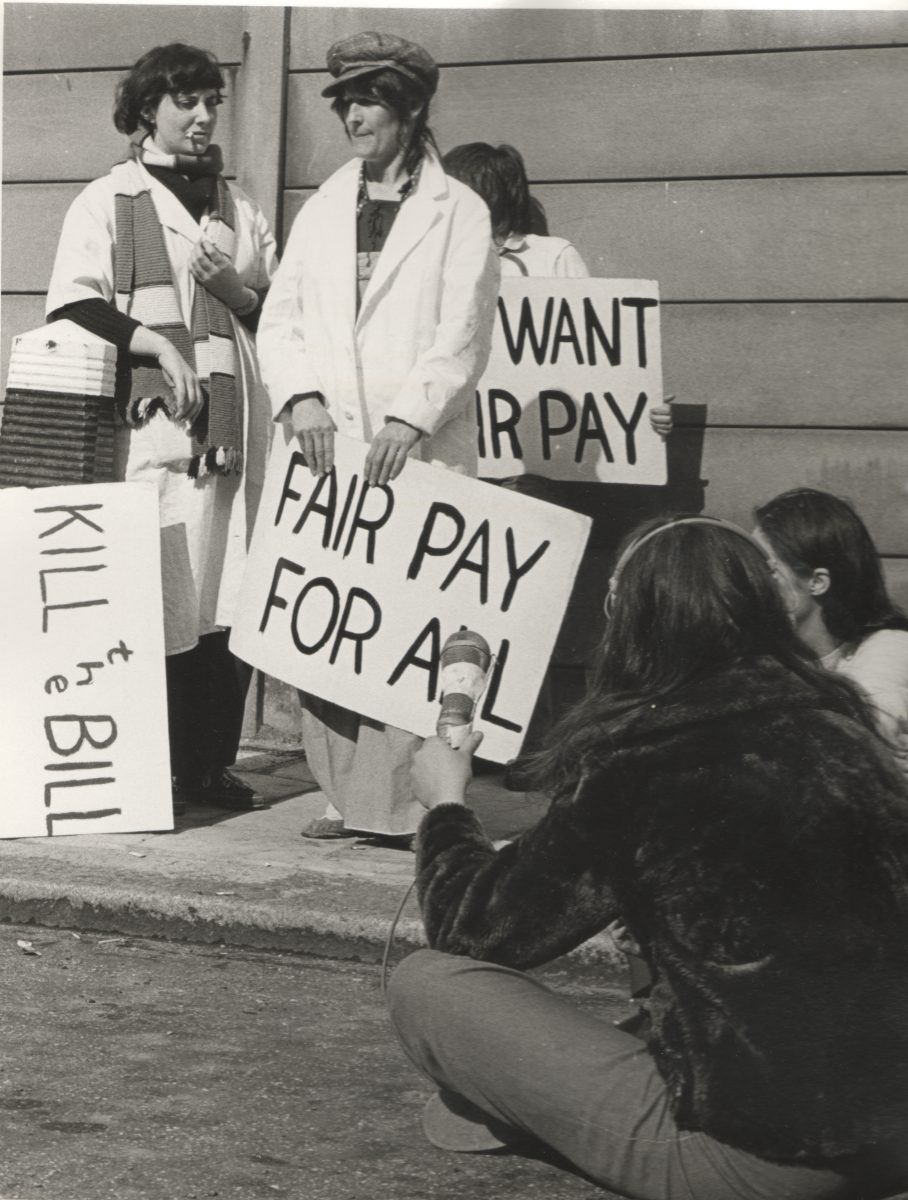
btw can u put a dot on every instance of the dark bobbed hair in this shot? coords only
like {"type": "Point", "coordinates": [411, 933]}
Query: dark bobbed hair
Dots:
{"type": "Point", "coordinates": [809, 529]}
{"type": "Point", "coordinates": [691, 602]}
{"type": "Point", "coordinates": [498, 175]}
{"type": "Point", "coordinates": [165, 70]}
{"type": "Point", "coordinates": [400, 96]}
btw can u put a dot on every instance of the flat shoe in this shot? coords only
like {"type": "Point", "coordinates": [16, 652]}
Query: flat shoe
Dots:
{"type": "Point", "coordinates": [327, 829]}
{"type": "Point", "coordinates": [452, 1123]}
{"type": "Point", "coordinates": [221, 789]}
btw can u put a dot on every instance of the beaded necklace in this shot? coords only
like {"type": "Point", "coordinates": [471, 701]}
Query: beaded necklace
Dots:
{"type": "Point", "coordinates": [406, 188]}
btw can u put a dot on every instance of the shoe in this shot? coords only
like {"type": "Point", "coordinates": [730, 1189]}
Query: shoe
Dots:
{"type": "Point", "coordinates": [327, 829]}
{"type": "Point", "coordinates": [452, 1123]}
{"type": "Point", "coordinates": [389, 841]}
{"type": "Point", "coordinates": [517, 778]}
{"type": "Point", "coordinates": [221, 789]}
{"type": "Point", "coordinates": [180, 795]}
{"type": "Point", "coordinates": [637, 1024]}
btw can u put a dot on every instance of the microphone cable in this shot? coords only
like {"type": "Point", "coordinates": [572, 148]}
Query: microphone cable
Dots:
{"type": "Point", "coordinates": [389, 941]}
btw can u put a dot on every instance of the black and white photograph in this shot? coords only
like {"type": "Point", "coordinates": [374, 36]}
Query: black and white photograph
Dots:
{"type": "Point", "coordinates": [454, 604]}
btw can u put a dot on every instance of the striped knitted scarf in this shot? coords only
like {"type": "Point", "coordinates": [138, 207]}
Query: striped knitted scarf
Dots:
{"type": "Point", "coordinates": [146, 290]}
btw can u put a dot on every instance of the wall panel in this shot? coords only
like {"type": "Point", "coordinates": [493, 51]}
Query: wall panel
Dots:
{"type": "Point", "coordinates": [32, 217]}
{"type": "Point", "coordinates": [742, 468]}
{"type": "Point", "coordinates": [895, 571]}
{"type": "Point", "coordinates": [18, 314]}
{"type": "Point", "coordinates": [504, 35]}
{"type": "Point", "coordinates": [715, 116]}
{"type": "Point", "coordinates": [60, 37]}
{"type": "Point", "coordinates": [764, 239]}
{"type": "Point", "coordinates": [780, 364]}
{"type": "Point", "coordinates": [60, 126]}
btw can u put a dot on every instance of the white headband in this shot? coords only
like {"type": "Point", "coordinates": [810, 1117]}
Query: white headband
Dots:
{"type": "Point", "coordinates": [719, 522]}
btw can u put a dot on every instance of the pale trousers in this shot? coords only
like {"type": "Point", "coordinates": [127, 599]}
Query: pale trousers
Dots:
{"type": "Point", "coordinates": [528, 1059]}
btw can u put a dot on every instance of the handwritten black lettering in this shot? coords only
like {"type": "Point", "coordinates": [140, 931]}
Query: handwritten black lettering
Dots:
{"type": "Point", "coordinates": [550, 431]}
{"type": "Point", "coordinates": [425, 546]}
{"type": "Point", "coordinates": [357, 637]}
{"type": "Point", "coordinates": [323, 584]}
{"type": "Point", "coordinates": [480, 565]}
{"type": "Point", "coordinates": [431, 632]}
{"type": "Point", "coordinates": [629, 426]}
{"type": "Point", "coordinates": [274, 600]}
{"type": "Point", "coordinates": [641, 304]}
{"type": "Point", "coordinates": [591, 429]}
{"type": "Point", "coordinates": [83, 725]}
{"type": "Point", "coordinates": [76, 513]}
{"type": "Point", "coordinates": [516, 570]}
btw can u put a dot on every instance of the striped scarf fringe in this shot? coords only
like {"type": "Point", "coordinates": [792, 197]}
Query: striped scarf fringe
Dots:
{"type": "Point", "coordinates": [146, 290]}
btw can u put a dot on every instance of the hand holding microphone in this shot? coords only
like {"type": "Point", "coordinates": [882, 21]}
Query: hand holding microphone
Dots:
{"type": "Point", "coordinates": [441, 768]}
{"type": "Point", "coordinates": [465, 662]}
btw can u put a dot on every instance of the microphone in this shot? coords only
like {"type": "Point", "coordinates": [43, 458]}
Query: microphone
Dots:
{"type": "Point", "coordinates": [465, 662]}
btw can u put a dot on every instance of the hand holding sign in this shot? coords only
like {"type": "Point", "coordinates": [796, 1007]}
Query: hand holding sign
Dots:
{"type": "Point", "coordinates": [351, 590]}
{"type": "Point", "coordinates": [575, 367]}
{"type": "Point", "coordinates": [315, 430]}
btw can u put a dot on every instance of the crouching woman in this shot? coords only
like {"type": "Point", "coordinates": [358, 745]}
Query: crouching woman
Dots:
{"type": "Point", "coordinates": [731, 804]}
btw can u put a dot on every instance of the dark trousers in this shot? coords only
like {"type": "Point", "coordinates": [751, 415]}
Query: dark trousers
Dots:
{"type": "Point", "coordinates": [206, 696]}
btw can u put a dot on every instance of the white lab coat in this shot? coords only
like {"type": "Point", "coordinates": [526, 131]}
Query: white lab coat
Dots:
{"type": "Point", "coordinates": [205, 523]}
{"type": "Point", "coordinates": [422, 336]}
{"type": "Point", "coordinates": [415, 351]}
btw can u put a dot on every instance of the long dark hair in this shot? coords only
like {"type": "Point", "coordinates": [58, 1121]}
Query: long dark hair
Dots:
{"type": "Point", "coordinates": [691, 602]}
{"type": "Point", "coordinates": [810, 529]}
{"type": "Point", "coordinates": [400, 96]}
{"type": "Point", "coordinates": [165, 70]}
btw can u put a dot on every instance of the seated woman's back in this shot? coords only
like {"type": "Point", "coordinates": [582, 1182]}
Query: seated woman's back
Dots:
{"type": "Point", "coordinates": [755, 838]}
{"type": "Point", "coordinates": [731, 803]}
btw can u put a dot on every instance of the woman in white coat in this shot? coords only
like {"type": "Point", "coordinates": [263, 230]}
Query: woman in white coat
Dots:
{"type": "Point", "coordinates": [169, 262]}
{"type": "Point", "coordinates": [379, 324]}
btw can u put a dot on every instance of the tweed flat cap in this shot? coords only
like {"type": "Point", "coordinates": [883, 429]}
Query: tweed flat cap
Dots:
{"type": "Point", "coordinates": [365, 53]}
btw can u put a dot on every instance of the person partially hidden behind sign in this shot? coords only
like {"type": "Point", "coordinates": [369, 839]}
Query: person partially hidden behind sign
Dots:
{"type": "Point", "coordinates": [168, 261]}
{"type": "Point", "coordinates": [520, 229]}
{"type": "Point", "coordinates": [379, 324]}
{"type": "Point", "coordinates": [732, 803]}
{"type": "Point", "coordinates": [832, 584]}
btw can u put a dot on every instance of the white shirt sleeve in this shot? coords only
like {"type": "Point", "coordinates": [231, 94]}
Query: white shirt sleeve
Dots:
{"type": "Point", "coordinates": [84, 263]}
{"type": "Point", "coordinates": [569, 264]}
{"type": "Point", "coordinates": [280, 340]}
{"type": "Point", "coordinates": [879, 666]}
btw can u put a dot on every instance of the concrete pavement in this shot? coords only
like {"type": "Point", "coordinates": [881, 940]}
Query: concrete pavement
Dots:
{"type": "Point", "coordinates": [245, 879]}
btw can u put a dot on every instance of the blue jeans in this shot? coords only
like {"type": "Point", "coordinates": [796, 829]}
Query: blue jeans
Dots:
{"type": "Point", "coordinates": [526, 1058]}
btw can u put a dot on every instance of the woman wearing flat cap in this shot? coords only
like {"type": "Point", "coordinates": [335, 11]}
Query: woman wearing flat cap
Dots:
{"type": "Point", "coordinates": [378, 324]}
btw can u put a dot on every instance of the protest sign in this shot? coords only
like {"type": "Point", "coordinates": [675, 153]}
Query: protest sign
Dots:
{"type": "Point", "coordinates": [82, 707]}
{"type": "Point", "coordinates": [350, 592]}
{"type": "Point", "coordinates": [575, 365]}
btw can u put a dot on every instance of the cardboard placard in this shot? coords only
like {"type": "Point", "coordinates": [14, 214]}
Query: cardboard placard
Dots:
{"type": "Point", "coordinates": [82, 708]}
{"type": "Point", "coordinates": [575, 366]}
{"type": "Point", "coordinates": [350, 592]}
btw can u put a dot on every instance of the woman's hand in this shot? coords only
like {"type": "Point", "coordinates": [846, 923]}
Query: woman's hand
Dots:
{"type": "Point", "coordinates": [388, 452]}
{"type": "Point", "coordinates": [179, 376]}
{"type": "Point", "coordinates": [439, 774]}
{"type": "Point", "coordinates": [315, 430]}
{"type": "Point", "coordinates": [216, 273]}
{"type": "Point", "coordinates": [661, 419]}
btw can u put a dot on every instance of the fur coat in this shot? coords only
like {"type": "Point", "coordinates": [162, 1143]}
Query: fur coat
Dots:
{"type": "Point", "coordinates": [755, 843]}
